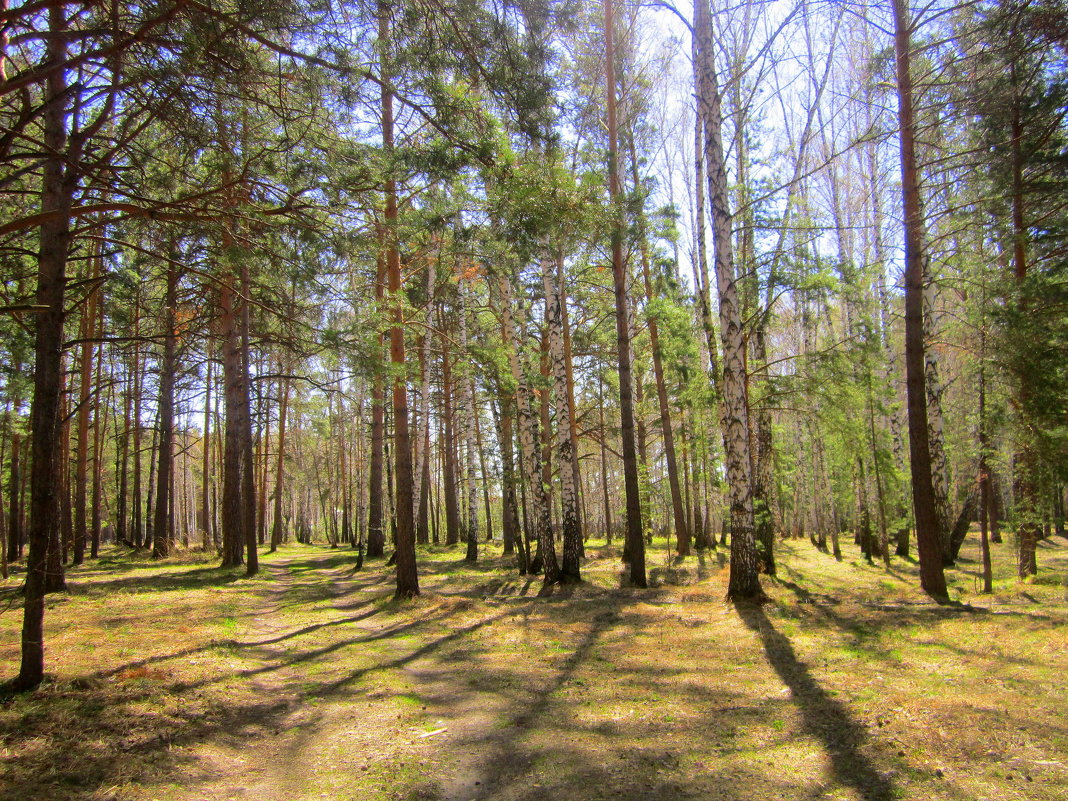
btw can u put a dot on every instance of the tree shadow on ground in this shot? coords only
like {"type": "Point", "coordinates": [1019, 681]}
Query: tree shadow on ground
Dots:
{"type": "Point", "coordinates": [185, 580]}
{"type": "Point", "coordinates": [822, 716]}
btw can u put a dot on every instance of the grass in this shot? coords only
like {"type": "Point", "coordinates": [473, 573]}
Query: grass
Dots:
{"type": "Point", "coordinates": [179, 680]}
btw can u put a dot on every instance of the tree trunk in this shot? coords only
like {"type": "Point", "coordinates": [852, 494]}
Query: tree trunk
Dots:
{"type": "Point", "coordinates": [635, 543]}
{"type": "Point", "coordinates": [407, 574]}
{"type": "Point", "coordinates": [1025, 461]}
{"type": "Point", "coordinates": [932, 578]}
{"type": "Point", "coordinates": [467, 414]}
{"type": "Point", "coordinates": [14, 524]}
{"type": "Point", "coordinates": [744, 582]}
{"type": "Point", "coordinates": [248, 464]}
{"type": "Point", "coordinates": [205, 489]}
{"type": "Point", "coordinates": [278, 529]}
{"type": "Point", "coordinates": [528, 438]}
{"type": "Point", "coordinates": [678, 508]}
{"type": "Point", "coordinates": [452, 503]}
{"type": "Point", "coordinates": [376, 538]}
{"type": "Point", "coordinates": [161, 526]}
{"type": "Point", "coordinates": [81, 481]}
{"type": "Point", "coordinates": [57, 189]}
{"type": "Point", "coordinates": [233, 521]}
{"type": "Point", "coordinates": [571, 531]}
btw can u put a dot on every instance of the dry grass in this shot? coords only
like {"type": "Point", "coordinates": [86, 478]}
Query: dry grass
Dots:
{"type": "Point", "coordinates": [181, 681]}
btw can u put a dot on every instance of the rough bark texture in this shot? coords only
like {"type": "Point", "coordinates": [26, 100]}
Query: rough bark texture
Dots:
{"type": "Point", "coordinates": [744, 582]}
{"type": "Point", "coordinates": [528, 438]}
{"type": "Point", "coordinates": [278, 529]}
{"type": "Point", "coordinates": [407, 574]}
{"type": "Point", "coordinates": [162, 524]}
{"type": "Point", "coordinates": [452, 503]}
{"type": "Point", "coordinates": [233, 485]}
{"type": "Point", "coordinates": [56, 196]}
{"type": "Point", "coordinates": [467, 414]}
{"type": "Point", "coordinates": [635, 546]}
{"type": "Point", "coordinates": [678, 508]}
{"type": "Point", "coordinates": [376, 538]}
{"type": "Point", "coordinates": [932, 579]}
{"type": "Point", "coordinates": [570, 530]}
{"type": "Point", "coordinates": [936, 438]}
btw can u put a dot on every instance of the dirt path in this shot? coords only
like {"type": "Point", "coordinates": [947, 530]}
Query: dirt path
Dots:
{"type": "Point", "coordinates": [316, 685]}
{"type": "Point", "coordinates": [489, 694]}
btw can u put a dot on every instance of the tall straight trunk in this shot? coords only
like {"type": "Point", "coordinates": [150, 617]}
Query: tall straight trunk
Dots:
{"type": "Point", "coordinates": [678, 508]}
{"type": "Point", "coordinates": [14, 510]}
{"type": "Point", "coordinates": [57, 190]}
{"type": "Point", "coordinates": [137, 520]}
{"type": "Point", "coordinates": [510, 506]}
{"type": "Point", "coordinates": [422, 522]}
{"type": "Point", "coordinates": [545, 425]}
{"type": "Point", "coordinates": [205, 489]}
{"type": "Point", "coordinates": [407, 574]}
{"type": "Point", "coordinates": [572, 418]}
{"type": "Point", "coordinates": [932, 578]}
{"type": "Point", "coordinates": [87, 331]}
{"type": "Point", "coordinates": [343, 468]}
{"type": "Point", "coordinates": [467, 414]}
{"type": "Point", "coordinates": [452, 502]}
{"type": "Point", "coordinates": [936, 438]}
{"type": "Point", "coordinates": [264, 442]}
{"type": "Point", "coordinates": [376, 538]}
{"type": "Point", "coordinates": [700, 261]}
{"type": "Point", "coordinates": [485, 476]}
{"type": "Point", "coordinates": [233, 521]}
{"type": "Point", "coordinates": [123, 462]}
{"type": "Point", "coordinates": [744, 582]}
{"type": "Point", "coordinates": [571, 532]}
{"type": "Point", "coordinates": [278, 529]}
{"type": "Point", "coordinates": [1025, 461]}
{"type": "Point", "coordinates": [162, 533]}
{"type": "Point", "coordinates": [509, 512]}
{"type": "Point", "coordinates": [763, 478]}
{"type": "Point", "coordinates": [984, 468]}
{"type": "Point", "coordinates": [884, 534]}
{"type": "Point", "coordinates": [604, 463]}
{"type": "Point", "coordinates": [61, 540]}
{"type": "Point", "coordinates": [635, 544]}
{"type": "Point", "coordinates": [248, 465]}
{"type": "Point", "coordinates": [422, 443]}
{"type": "Point", "coordinates": [99, 420]}
{"type": "Point", "coordinates": [150, 496]}
{"type": "Point", "coordinates": [534, 488]}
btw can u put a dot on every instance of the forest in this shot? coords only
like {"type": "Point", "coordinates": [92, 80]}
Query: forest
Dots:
{"type": "Point", "coordinates": [467, 395]}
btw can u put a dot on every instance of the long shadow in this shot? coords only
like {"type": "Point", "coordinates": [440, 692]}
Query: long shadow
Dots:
{"type": "Point", "coordinates": [196, 579]}
{"type": "Point", "coordinates": [822, 716]}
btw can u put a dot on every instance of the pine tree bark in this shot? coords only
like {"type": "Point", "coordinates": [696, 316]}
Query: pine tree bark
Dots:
{"type": "Point", "coordinates": [1025, 461]}
{"type": "Point", "coordinates": [161, 525]}
{"type": "Point", "coordinates": [233, 521]}
{"type": "Point", "coordinates": [278, 529]}
{"type": "Point", "coordinates": [407, 574]}
{"type": "Point", "coordinates": [449, 469]}
{"type": "Point", "coordinates": [376, 538]}
{"type": "Point", "coordinates": [81, 477]}
{"type": "Point", "coordinates": [57, 191]}
{"type": "Point", "coordinates": [932, 578]}
{"type": "Point", "coordinates": [467, 414]}
{"type": "Point", "coordinates": [635, 542]}
{"type": "Point", "coordinates": [678, 508]}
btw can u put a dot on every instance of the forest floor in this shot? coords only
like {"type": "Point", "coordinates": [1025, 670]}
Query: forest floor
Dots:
{"type": "Point", "coordinates": [181, 681]}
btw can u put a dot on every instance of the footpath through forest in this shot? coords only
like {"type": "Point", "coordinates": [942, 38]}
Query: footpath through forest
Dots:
{"type": "Point", "coordinates": [180, 681]}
